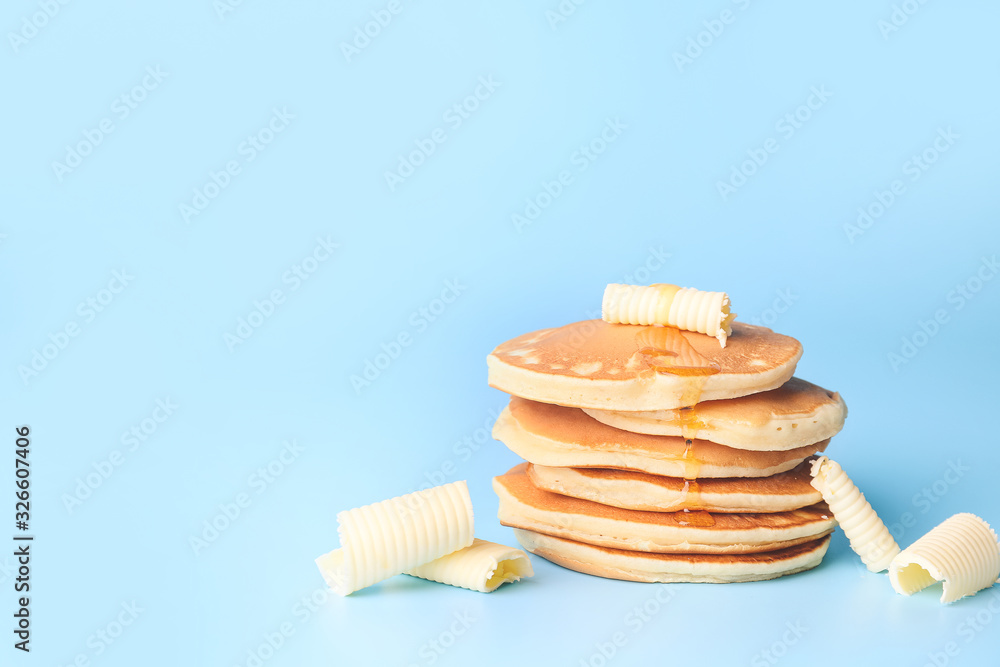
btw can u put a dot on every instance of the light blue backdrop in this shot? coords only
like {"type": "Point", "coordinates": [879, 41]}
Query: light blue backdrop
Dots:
{"type": "Point", "coordinates": [201, 246]}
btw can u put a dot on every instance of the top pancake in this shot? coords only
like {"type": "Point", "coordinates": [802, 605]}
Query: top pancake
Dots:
{"type": "Point", "coordinates": [593, 364]}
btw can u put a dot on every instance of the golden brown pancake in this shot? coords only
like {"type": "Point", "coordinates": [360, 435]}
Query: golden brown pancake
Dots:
{"type": "Point", "coordinates": [593, 364]}
{"type": "Point", "coordinates": [523, 505]}
{"type": "Point", "coordinates": [653, 493]}
{"type": "Point", "coordinates": [795, 414]}
{"type": "Point", "coordinates": [669, 568]}
{"type": "Point", "coordinates": [556, 436]}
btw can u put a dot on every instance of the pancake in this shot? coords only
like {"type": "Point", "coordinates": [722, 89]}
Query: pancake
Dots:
{"type": "Point", "coordinates": [593, 364]}
{"type": "Point", "coordinates": [523, 505]}
{"type": "Point", "coordinates": [671, 568]}
{"type": "Point", "coordinates": [553, 435]}
{"type": "Point", "coordinates": [795, 414]}
{"type": "Point", "coordinates": [652, 493]}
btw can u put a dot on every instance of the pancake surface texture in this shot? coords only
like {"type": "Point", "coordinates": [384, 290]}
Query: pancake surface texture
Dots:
{"type": "Point", "coordinates": [523, 505]}
{"type": "Point", "coordinates": [653, 493]}
{"type": "Point", "coordinates": [593, 364]}
{"type": "Point", "coordinates": [670, 568]}
{"type": "Point", "coordinates": [552, 435]}
{"type": "Point", "coordinates": [795, 414]}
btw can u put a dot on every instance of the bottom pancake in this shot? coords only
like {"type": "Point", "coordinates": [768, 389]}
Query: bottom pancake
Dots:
{"type": "Point", "coordinates": [673, 568]}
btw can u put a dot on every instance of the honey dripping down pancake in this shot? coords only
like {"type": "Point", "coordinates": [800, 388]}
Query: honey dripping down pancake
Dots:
{"type": "Point", "coordinates": [607, 413]}
{"type": "Point", "coordinates": [667, 351]}
{"type": "Point", "coordinates": [597, 365]}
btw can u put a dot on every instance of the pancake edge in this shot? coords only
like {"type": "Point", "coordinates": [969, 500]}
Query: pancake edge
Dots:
{"type": "Point", "coordinates": [778, 435]}
{"type": "Point", "coordinates": [629, 566]}
{"type": "Point", "coordinates": [542, 477]}
{"type": "Point", "coordinates": [646, 537]}
{"type": "Point", "coordinates": [546, 451]}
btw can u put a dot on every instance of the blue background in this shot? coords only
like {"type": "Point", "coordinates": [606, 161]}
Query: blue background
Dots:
{"type": "Point", "coordinates": [647, 206]}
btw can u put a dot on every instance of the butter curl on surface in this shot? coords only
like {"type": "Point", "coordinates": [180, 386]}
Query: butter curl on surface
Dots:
{"type": "Point", "coordinates": [387, 538]}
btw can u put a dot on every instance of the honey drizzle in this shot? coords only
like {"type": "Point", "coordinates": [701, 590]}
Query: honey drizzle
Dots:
{"type": "Point", "coordinates": [692, 513]}
{"type": "Point", "coordinates": [697, 518]}
{"type": "Point", "coordinates": [665, 350]}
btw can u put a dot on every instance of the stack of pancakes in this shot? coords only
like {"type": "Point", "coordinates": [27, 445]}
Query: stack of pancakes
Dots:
{"type": "Point", "coordinates": [653, 454]}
